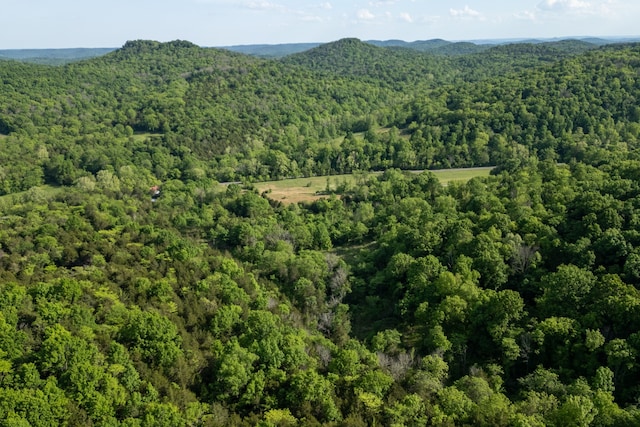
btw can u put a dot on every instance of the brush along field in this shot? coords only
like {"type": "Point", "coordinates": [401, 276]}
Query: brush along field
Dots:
{"type": "Point", "coordinates": [309, 189]}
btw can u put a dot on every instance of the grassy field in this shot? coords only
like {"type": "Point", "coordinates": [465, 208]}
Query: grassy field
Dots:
{"type": "Point", "coordinates": [141, 136]}
{"type": "Point", "coordinates": [464, 174]}
{"type": "Point", "coordinates": [309, 189]}
{"type": "Point", "coordinates": [41, 192]}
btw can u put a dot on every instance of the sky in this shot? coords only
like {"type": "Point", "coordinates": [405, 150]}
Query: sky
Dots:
{"type": "Point", "coordinates": [40, 24]}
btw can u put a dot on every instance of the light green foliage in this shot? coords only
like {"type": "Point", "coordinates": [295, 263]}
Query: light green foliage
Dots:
{"type": "Point", "coordinates": [162, 415]}
{"type": "Point", "coordinates": [43, 406]}
{"type": "Point", "coordinates": [387, 341]}
{"type": "Point", "coordinates": [263, 336]}
{"type": "Point", "coordinates": [576, 411]}
{"type": "Point", "coordinates": [57, 350]}
{"type": "Point", "coordinates": [454, 406]}
{"type": "Point", "coordinates": [594, 339]}
{"type": "Point", "coordinates": [279, 418]}
{"type": "Point", "coordinates": [153, 337]}
{"type": "Point", "coordinates": [375, 382]}
{"type": "Point", "coordinates": [309, 388]}
{"type": "Point", "coordinates": [95, 390]}
{"type": "Point", "coordinates": [235, 369]}
{"type": "Point", "coordinates": [225, 319]}
{"type": "Point", "coordinates": [410, 411]}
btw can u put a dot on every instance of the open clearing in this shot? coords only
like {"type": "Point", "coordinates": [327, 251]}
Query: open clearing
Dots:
{"type": "Point", "coordinates": [141, 136]}
{"type": "Point", "coordinates": [40, 192]}
{"type": "Point", "coordinates": [309, 189]}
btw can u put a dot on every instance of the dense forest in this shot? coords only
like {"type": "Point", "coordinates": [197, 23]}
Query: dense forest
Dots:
{"type": "Point", "coordinates": [145, 281]}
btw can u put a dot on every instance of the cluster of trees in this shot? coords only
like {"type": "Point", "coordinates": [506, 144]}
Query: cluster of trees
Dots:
{"type": "Point", "coordinates": [507, 300]}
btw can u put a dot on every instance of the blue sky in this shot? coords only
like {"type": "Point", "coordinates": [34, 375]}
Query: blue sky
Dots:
{"type": "Point", "coordinates": [101, 23]}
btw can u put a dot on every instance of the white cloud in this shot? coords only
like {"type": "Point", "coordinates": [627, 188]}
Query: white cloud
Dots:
{"type": "Point", "coordinates": [406, 17]}
{"type": "Point", "coordinates": [267, 6]}
{"type": "Point", "coordinates": [326, 6]}
{"type": "Point", "coordinates": [564, 5]}
{"type": "Point", "coordinates": [525, 15]}
{"type": "Point", "coordinates": [467, 12]}
{"type": "Point", "coordinates": [382, 3]}
{"type": "Point", "coordinates": [580, 7]}
{"type": "Point", "coordinates": [365, 15]}
{"type": "Point", "coordinates": [263, 5]}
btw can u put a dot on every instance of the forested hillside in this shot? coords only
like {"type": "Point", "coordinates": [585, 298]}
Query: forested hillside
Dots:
{"type": "Point", "coordinates": [137, 290]}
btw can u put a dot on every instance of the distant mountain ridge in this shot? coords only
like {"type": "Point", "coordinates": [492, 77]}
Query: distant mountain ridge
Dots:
{"type": "Point", "coordinates": [396, 64]}
{"type": "Point", "coordinates": [272, 50]}
{"type": "Point", "coordinates": [53, 56]}
{"type": "Point", "coordinates": [435, 46]}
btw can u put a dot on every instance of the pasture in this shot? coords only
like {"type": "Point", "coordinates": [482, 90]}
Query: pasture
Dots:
{"type": "Point", "coordinates": [309, 189]}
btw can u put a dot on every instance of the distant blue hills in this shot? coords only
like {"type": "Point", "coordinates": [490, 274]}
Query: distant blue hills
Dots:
{"type": "Point", "coordinates": [54, 56]}
{"type": "Point", "coordinates": [438, 46]}
{"type": "Point", "coordinates": [434, 45]}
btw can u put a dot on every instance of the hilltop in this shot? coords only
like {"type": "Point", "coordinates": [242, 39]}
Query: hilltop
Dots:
{"type": "Point", "coordinates": [352, 57]}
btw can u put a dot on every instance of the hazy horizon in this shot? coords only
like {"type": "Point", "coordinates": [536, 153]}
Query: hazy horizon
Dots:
{"type": "Point", "coordinates": [476, 41]}
{"type": "Point", "coordinates": [38, 24]}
